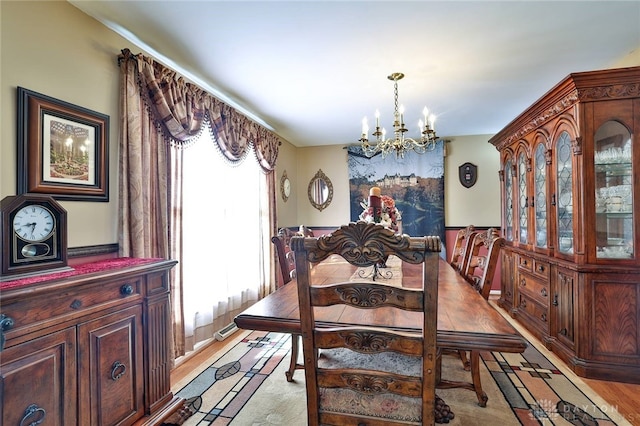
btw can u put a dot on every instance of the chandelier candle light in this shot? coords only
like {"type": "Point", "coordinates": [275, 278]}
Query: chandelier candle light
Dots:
{"type": "Point", "coordinates": [399, 143]}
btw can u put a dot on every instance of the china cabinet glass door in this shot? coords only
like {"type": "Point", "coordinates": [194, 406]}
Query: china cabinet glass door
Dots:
{"type": "Point", "coordinates": [540, 203]}
{"type": "Point", "coordinates": [564, 195]}
{"type": "Point", "coordinates": [523, 216]}
{"type": "Point", "coordinates": [508, 204]}
{"type": "Point", "coordinates": [614, 191]}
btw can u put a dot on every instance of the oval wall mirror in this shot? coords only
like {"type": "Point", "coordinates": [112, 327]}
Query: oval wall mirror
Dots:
{"type": "Point", "coordinates": [320, 191]}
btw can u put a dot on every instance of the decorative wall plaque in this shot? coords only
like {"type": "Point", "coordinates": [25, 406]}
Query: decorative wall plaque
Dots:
{"type": "Point", "coordinates": [468, 174]}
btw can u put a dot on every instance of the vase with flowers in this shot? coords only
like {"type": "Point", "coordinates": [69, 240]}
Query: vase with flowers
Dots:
{"type": "Point", "coordinates": [381, 209]}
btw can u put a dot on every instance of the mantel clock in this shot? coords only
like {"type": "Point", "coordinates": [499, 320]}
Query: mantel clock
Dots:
{"type": "Point", "coordinates": [33, 235]}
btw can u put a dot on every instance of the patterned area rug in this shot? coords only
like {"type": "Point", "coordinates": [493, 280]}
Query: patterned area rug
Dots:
{"type": "Point", "coordinates": [244, 384]}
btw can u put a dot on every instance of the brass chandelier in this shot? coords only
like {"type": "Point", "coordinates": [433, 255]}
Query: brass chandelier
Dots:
{"type": "Point", "coordinates": [399, 143]}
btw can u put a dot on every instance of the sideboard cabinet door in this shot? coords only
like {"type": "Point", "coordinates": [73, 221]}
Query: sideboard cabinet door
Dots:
{"type": "Point", "coordinates": [38, 381]}
{"type": "Point", "coordinates": [111, 368]}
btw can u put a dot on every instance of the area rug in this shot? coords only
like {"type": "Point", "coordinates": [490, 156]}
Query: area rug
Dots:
{"type": "Point", "coordinates": [244, 384]}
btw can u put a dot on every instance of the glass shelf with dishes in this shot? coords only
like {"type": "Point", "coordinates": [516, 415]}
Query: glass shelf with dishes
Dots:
{"type": "Point", "coordinates": [614, 192]}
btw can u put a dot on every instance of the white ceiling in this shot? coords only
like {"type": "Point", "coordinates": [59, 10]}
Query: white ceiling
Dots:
{"type": "Point", "coordinates": [311, 70]}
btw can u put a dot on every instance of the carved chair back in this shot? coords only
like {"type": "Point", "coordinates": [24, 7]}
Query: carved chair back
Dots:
{"type": "Point", "coordinates": [305, 232]}
{"type": "Point", "coordinates": [461, 247]}
{"type": "Point", "coordinates": [482, 261]}
{"type": "Point", "coordinates": [284, 254]}
{"type": "Point", "coordinates": [287, 268]}
{"type": "Point", "coordinates": [343, 361]}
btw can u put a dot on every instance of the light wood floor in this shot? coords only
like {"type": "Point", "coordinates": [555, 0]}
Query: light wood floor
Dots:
{"type": "Point", "coordinates": [622, 396]}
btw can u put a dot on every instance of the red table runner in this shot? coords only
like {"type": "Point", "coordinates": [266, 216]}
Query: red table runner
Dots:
{"type": "Point", "coordinates": [85, 268]}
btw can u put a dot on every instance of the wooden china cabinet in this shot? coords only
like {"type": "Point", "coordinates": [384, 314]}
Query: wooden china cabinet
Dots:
{"type": "Point", "coordinates": [570, 185]}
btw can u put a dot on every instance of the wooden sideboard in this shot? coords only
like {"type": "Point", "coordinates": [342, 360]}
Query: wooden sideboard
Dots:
{"type": "Point", "coordinates": [88, 347]}
{"type": "Point", "coordinates": [570, 188]}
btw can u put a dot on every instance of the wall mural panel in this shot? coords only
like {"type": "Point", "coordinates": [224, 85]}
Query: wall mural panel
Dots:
{"type": "Point", "coordinates": [415, 182]}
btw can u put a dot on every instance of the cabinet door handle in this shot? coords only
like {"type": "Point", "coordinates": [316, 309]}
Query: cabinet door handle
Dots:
{"type": "Point", "coordinates": [532, 201]}
{"type": "Point", "coordinates": [543, 317]}
{"type": "Point", "coordinates": [555, 300]}
{"type": "Point", "coordinates": [563, 331]}
{"type": "Point", "coordinates": [523, 282]}
{"type": "Point", "coordinates": [543, 292]}
{"type": "Point", "coordinates": [117, 370]}
{"type": "Point", "coordinates": [5, 324]}
{"type": "Point", "coordinates": [540, 268]}
{"type": "Point", "coordinates": [553, 199]}
{"type": "Point", "coordinates": [126, 290]}
{"type": "Point", "coordinates": [38, 414]}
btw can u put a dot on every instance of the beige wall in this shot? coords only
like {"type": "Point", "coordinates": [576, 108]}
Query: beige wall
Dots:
{"type": "Point", "coordinates": [54, 49]}
{"type": "Point", "coordinates": [479, 204]}
{"type": "Point", "coordinates": [287, 214]}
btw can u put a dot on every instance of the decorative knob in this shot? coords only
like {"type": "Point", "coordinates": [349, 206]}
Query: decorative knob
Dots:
{"type": "Point", "coordinates": [126, 290]}
{"type": "Point", "coordinates": [36, 413]}
{"type": "Point", "coordinates": [5, 324]}
{"type": "Point", "coordinates": [117, 370]}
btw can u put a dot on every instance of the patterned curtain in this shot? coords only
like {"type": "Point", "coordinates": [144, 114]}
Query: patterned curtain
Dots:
{"type": "Point", "coordinates": [162, 113]}
{"type": "Point", "coordinates": [415, 182]}
{"type": "Point", "coordinates": [180, 109]}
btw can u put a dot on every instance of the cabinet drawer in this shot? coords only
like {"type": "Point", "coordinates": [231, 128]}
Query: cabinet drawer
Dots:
{"type": "Point", "coordinates": [525, 263]}
{"type": "Point", "coordinates": [541, 269]}
{"type": "Point", "coordinates": [45, 310]}
{"type": "Point", "coordinates": [535, 311]}
{"type": "Point", "coordinates": [534, 288]}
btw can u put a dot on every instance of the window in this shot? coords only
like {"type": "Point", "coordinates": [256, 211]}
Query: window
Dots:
{"type": "Point", "coordinates": [222, 238]}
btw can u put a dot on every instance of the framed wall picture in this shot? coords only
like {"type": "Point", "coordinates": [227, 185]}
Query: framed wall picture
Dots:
{"type": "Point", "coordinates": [62, 149]}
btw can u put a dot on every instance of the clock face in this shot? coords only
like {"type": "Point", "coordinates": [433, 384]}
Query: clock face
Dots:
{"type": "Point", "coordinates": [287, 187]}
{"type": "Point", "coordinates": [33, 223]}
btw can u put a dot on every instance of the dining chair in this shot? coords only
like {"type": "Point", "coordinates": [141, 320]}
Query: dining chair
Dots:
{"type": "Point", "coordinates": [482, 261]}
{"type": "Point", "coordinates": [461, 247]}
{"type": "Point", "coordinates": [479, 270]}
{"type": "Point", "coordinates": [284, 254]}
{"type": "Point", "coordinates": [360, 374]}
{"type": "Point", "coordinates": [287, 269]}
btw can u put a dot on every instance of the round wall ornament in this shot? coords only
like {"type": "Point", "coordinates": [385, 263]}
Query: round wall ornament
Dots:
{"type": "Point", "coordinates": [285, 186]}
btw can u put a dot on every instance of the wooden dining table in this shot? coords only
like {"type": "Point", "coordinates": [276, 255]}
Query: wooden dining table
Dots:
{"type": "Point", "coordinates": [465, 319]}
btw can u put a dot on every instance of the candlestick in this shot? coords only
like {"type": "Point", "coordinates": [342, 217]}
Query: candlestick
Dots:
{"type": "Point", "coordinates": [375, 203]}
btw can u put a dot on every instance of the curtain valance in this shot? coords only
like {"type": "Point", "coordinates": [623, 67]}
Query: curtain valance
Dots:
{"type": "Point", "coordinates": [180, 109]}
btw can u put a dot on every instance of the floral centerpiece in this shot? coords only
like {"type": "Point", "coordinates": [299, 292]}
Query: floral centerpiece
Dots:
{"type": "Point", "coordinates": [381, 209]}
